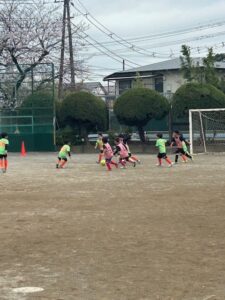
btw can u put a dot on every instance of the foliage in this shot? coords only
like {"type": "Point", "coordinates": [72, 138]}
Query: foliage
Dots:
{"type": "Point", "coordinates": [138, 83]}
{"type": "Point", "coordinates": [205, 73]}
{"type": "Point", "coordinates": [187, 66]}
{"type": "Point", "coordinates": [210, 74]}
{"type": "Point", "coordinates": [30, 35]}
{"type": "Point", "coordinates": [196, 96]}
{"type": "Point", "coordinates": [136, 107]}
{"type": "Point", "coordinates": [68, 134]}
{"type": "Point", "coordinates": [84, 111]}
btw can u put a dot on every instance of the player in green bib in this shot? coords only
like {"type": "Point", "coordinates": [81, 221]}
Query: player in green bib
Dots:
{"type": "Point", "coordinates": [4, 142]}
{"type": "Point", "coordinates": [99, 146]}
{"type": "Point", "coordinates": [62, 156]}
{"type": "Point", "coordinates": [161, 145]}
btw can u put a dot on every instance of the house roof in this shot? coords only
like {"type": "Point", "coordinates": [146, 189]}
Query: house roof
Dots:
{"type": "Point", "coordinates": [172, 64]}
{"type": "Point", "coordinates": [90, 86]}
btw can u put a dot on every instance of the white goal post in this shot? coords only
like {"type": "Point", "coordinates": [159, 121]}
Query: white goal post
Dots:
{"type": "Point", "coordinates": [207, 130]}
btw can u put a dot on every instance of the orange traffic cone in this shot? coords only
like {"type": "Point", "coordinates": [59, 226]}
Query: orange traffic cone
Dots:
{"type": "Point", "coordinates": [23, 149]}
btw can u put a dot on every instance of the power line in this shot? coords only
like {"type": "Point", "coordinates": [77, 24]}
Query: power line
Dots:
{"type": "Point", "coordinates": [112, 54]}
{"type": "Point", "coordinates": [116, 39]}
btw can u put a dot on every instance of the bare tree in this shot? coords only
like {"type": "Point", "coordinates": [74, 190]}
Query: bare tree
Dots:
{"type": "Point", "coordinates": [30, 34]}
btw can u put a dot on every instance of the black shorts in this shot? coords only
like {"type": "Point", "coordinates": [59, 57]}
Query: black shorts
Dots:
{"type": "Point", "coordinates": [180, 151]}
{"type": "Point", "coordinates": [3, 156]}
{"type": "Point", "coordinates": [62, 158]}
{"type": "Point", "coordinates": [162, 155]}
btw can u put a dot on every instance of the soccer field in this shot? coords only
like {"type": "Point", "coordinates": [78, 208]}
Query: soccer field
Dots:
{"type": "Point", "coordinates": [83, 233]}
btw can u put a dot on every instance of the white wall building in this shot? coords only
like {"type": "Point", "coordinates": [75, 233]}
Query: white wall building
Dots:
{"type": "Point", "coordinates": [165, 77]}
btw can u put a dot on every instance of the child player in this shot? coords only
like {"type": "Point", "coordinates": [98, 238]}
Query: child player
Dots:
{"type": "Point", "coordinates": [4, 142]}
{"type": "Point", "coordinates": [108, 154]}
{"type": "Point", "coordinates": [161, 144]}
{"type": "Point", "coordinates": [125, 141]}
{"type": "Point", "coordinates": [62, 157]}
{"type": "Point", "coordinates": [122, 150]}
{"type": "Point", "coordinates": [99, 145]}
{"type": "Point", "coordinates": [178, 140]}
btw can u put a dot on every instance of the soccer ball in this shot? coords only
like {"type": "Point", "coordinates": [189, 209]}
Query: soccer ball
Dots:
{"type": "Point", "coordinates": [102, 162]}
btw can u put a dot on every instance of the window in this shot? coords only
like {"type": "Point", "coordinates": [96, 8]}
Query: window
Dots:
{"type": "Point", "coordinates": [124, 85]}
{"type": "Point", "coordinates": [159, 84]}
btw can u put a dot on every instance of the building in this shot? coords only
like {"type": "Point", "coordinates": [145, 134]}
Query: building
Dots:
{"type": "Point", "coordinates": [165, 77]}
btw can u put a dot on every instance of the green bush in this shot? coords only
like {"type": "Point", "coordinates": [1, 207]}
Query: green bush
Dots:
{"type": "Point", "coordinates": [196, 96]}
{"type": "Point", "coordinates": [137, 106]}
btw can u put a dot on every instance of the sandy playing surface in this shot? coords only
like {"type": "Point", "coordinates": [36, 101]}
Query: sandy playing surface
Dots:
{"type": "Point", "coordinates": [83, 233]}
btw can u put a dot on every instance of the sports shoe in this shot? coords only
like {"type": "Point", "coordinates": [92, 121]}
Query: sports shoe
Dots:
{"type": "Point", "coordinates": [158, 165]}
{"type": "Point", "coordinates": [170, 165]}
{"type": "Point", "coordinates": [139, 162]}
{"type": "Point", "coordinates": [123, 167]}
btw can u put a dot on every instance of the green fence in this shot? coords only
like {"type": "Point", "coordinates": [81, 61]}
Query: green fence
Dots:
{"type": "Point", "coordinates": [27, 112]}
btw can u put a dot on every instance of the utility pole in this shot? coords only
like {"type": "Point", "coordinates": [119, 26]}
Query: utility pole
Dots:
{"type": "Point", "coordinates": [72, 70]}
{"type": "Point", "coordinates": [66, 21]}
{"type": "Point", "coordinates": [61, 68]}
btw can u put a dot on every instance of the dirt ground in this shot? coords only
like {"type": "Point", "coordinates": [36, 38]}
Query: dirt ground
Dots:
{"type": "Point", "coordinates": [83, 233]}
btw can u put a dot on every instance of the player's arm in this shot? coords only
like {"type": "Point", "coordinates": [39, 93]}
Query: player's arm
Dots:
{"type": "Point", "coordinates": [96, 145]}
{"type": "Point", "coordinates": [172, 143]}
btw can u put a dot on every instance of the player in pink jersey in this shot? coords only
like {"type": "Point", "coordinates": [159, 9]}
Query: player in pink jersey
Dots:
{"type": "Point", "coordinates": [108, 154]}
{"type": "Point", "coordinates": [123, 152]}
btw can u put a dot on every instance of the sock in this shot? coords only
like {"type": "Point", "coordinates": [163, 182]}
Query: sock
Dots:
{"type": "Point", "coordinates": [188, 155]}
{"type": "Point", "coordinates": [114, 163]}
{"type": "Point", "coordinates": [63, 163]}
{"type": "Point", "coordinates": [1, 163]}
{"type": "Point", "coordinates": [134, 158]}
{"type": "Point", "coordinates": [183, 157]}
{"type": "Point", "coordinates": [5, 164]}
{"type": "Point", "coordinates": [168, 161]}
{"type": "Point", "coordinates": [160, 161]}
{"type": "Point", "coordinates": [108, 166]}
{"type": "Point", "coordinates": [176, 158]}
{"type": "Point", "coordinates": [131, 160]}
{"type": "Point", "coordinates": [122, 163]}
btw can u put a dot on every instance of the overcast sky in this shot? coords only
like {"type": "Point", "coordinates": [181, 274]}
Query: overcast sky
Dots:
{"type": "Point", "coordinates": [138, 18]}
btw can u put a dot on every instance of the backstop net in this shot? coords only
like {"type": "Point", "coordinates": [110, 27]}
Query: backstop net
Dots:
{"type": "Point", "coordinates": [207, 130]}
{"type": "Point", "coordinates": [27, 107]}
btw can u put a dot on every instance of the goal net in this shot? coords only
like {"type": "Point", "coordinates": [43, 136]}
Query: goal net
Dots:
{"type": "Point", "coordinates": [207, 130]}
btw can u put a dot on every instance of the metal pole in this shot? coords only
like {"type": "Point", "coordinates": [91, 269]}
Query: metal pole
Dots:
{"type": "Point", "coordinates": [190, 132]}
{"type": "Point", "coordinates": [72, 69]}
{"type": "Point", "coordinates": [54, 107]}
{"type": "Point", "coordinates": [203, 136]}
{"type": "Point", "coordinates": [61, 68]}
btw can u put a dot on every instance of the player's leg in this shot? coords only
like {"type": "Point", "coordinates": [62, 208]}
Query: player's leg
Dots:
{"type": "Point", "coordinates": [1, 162]}
{"type": "Point", "coordinates": [112, 162]}
{"type": "Point", "coordinates": [100, 156]}
{"type": "Point", "coordinates": [159, 156]}
{"type": "Point", "coordinates": [63, 162]}
{"type": "Point", "coordinates": [122, 162]}
{"type": "Point", "coordinates": [188, 155]}
{"type": "Point", "coordinates": [108, 162]}
{"type": "Point", "coordinates": [168, 160]}
{"type": "Point", "coordinates": [177, 152]}
{"type": "Point", "coordinates": [130, 160]}
{"type": "Point", "coordinates": [58, 162]}
{"type": "Point", "coordinates": [5, 163]}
